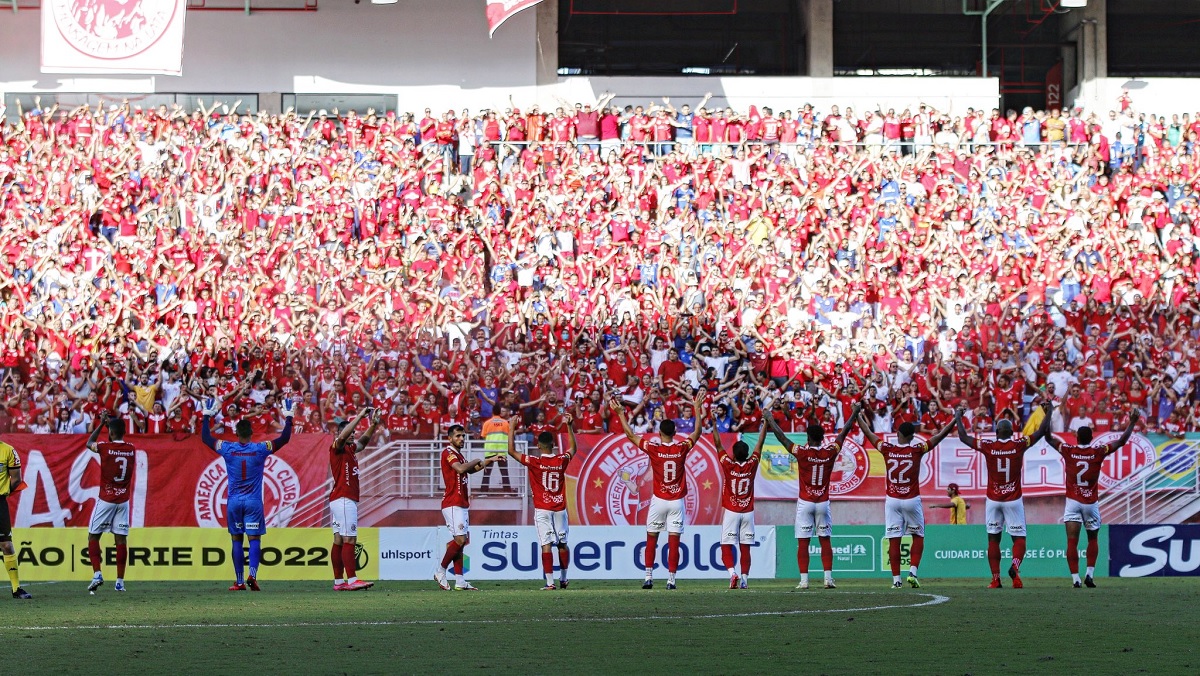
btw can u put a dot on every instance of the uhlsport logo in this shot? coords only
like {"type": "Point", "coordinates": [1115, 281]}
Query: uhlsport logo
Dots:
{"type": "Point", "coordinates": [112, 29]}
{"type": "Point", "coordinates": [1135, 455]}
{"type": "Point", "coordinates": [281, 492]}
{"type": "Point", "coordinates": [850, 469]}
{"type": "Point", "coordinates": [616, 483]}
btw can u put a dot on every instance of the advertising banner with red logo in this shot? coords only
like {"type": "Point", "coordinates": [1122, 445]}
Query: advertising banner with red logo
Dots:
{"type": "Point", "coordinates": [859, 471]}
{"type": "Point", "coordinates": [499, 11]}
{"type": "Point", "coordinates": [178, 482]}
{"type": "Point", "coordinates": [113, 36]}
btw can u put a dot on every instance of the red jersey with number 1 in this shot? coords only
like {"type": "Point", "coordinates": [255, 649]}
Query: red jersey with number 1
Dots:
{"type": "Point", "coordinates": [1082, 464]}
{"type": "Point", "coordinates": [666, 462]}
{"type": "Point", "coordinates": [117, 463]}
{"type": "Point", "coordinates": [903, 464]}
{"type": "Point", "coordinates": [343, 464]}
{"type": "Point", "coordinates": [1005, 462]}
{"type": "Point", "coordinates": [737, 482]}
{"type": "Point", "coordinates": [547, 480]}
{"type": "Point", "coordinates": [815, 466]}
{"type": "Point", "coordinates": [457, 491]}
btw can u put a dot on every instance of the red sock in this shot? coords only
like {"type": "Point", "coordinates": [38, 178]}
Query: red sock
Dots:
{"type": "Point", "coordinates": [1093, 548]}
{"type": "Point", "coordinates": [826, 553]}
{"type": "Point", "coordinates": [547, 563]}
{"type": "Point", "coordinates": [1018, 552]}
{"type": "Point", "coordinates": [727, 556]}
{"type": "Point", "coordinates": [994, 557]}
{"type": "Point", "coordinates": [348, 561]}
{"type": "Point", "coordinates": [452, 550]}
{"type": "Point", "coordinates": [564, 558]}
{"type": "Point", "coordinates": [458, 562]}
{"type": "Point", "coordinates": [802, 554]}
{"type": "Point", "coordinates": [745, 561]}
{"type": "Point", "coordinates": [918, 547]}
{"type": "Point", "coordinates": [672, 552]}
{"type": "Point", "coordinates": [122, 556]}
{"type": "Point", "coordinates": [335, 557]}
{"type": "Point", "coordinates": [651, 549]}
{"type": "Point", "coordinates": [894, 555]}
{"type": "Point", "coordinates": [1073, 555]}
{"type": "Point", "coordinates": [94, 554]}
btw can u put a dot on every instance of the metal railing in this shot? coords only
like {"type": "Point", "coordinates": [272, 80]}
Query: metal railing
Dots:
{"type": "Point", "coordinates": [1166, 491]}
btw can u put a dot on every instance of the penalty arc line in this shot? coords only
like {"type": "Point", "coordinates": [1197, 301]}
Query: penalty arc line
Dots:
{"type": "Point", "coordinates": [934, 599]}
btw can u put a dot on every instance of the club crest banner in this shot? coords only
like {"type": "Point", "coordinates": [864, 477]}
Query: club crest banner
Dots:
{"type": "Point", "coordinates": [113, 36]}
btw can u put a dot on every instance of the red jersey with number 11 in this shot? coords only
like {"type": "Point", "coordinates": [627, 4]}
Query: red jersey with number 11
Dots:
{"type": "Point", "coordinates": [815, 467]}
{"type": "Point", "coordinates": [903, 464]}
{"type": "Point", "coordinates": [666, 462]}
{"type": "Point", "coordinates": [117, 463]}
{"type": "Point", "coordinates": [1005, 463]}
{"type": "Point", "coordinates": [547, 480]}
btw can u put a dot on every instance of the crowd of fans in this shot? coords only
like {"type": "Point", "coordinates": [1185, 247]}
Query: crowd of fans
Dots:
{"type": "Point", "coordinates": [452, 267]}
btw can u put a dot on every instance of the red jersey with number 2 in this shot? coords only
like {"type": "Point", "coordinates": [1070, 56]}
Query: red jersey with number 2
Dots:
{"type": "Point", "coordinates": [815, 467]}
{"type": "Point", "coordinates": [1005, 462]}
{"type": "Point", "coordinates": [666, 462]}
{"type": "Point", "coordinates": [547, 480]}
{"type": "Point", "coordinates": [1082, 464]}
{"type": "Point", "coordinates": [737, 483]}
{"type": "Point", "coordinates": [117, 463]}
{"type": "Point", "coordinates": [903, 464]}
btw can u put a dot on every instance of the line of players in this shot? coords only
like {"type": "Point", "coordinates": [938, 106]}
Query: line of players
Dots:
{"type": "Point", "coordinates": [903, 512]}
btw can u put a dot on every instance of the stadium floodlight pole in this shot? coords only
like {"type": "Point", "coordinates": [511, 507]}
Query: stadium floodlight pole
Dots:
{"type": "Point", "coordinates": [992, 5]}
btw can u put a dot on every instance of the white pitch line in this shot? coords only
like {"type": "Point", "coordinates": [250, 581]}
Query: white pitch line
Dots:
{"type": "Point", "coordinates": [934, 599]}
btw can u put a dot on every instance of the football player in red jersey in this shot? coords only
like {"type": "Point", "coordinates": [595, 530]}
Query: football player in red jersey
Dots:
{"type": "Point", "coordinates": [343, 499]}
{"type": "Point", "coordinates": [738, 470]}
{"type": "Point", "coordinates": [1004, 508]}
{"type": "Point", "coordinates": [111, 514]}
{"type": "Point", "coordinates": [456, 503]}
{"type": "Point", "coordinates": [1082, 461]}
{"type": "Point", "coordinates": [667, 509]}
{"type": "Point", "coordinates": [902, 508]}
{"type": "Point", "coordinates": [815, 462]}
{"type": "Point", "coordinates": [548, 481]}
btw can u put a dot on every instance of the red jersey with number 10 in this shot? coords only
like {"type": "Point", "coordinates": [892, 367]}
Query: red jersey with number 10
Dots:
{"type": "Point", "coordinates": [117, 463]}
{"type": "Point", "coordinates": [737, 482]}
{"type": "Point", "coordinates": [1005, 463]}
{"type": "Point", "coordinates": [815, 468]}
{"type": "Point", "coordinates": [547, 480]}
{"type": "Point", "coordinates": [1083, 470]}
{"type": "Point", "coordinates": [666, 462]}
{"type": "Point", "coordinates": [343, 464]}
{"type": "Point", "coordinates": [457, 492]}
{"type": "Point", "coordinates": [903, 464]}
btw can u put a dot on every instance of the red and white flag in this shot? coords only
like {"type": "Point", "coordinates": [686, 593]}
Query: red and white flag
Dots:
{"type": "Point", "coordinates": [498, 11]}
{"type": "Point", "coordinates": [113, 36]}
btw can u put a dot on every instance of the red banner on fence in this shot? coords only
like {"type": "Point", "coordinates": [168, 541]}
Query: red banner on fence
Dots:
{"type": "Point", "coordinates": [179, 482]}
{"type": "Point", "coordinates": [499, 11]}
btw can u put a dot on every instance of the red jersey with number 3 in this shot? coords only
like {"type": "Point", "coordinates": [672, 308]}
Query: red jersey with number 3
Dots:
{"type": "Point", "coordinates": [547, 480]}
{"type": "Point", "coordinates": [903, 464]}
{"type": "Point", "coordinates": [117, 463]}
{"type": "Point", "coordinates": [1082, 464]}
{"type": "Point", "coordinates": [737, 482]}
{"type": "Point", "coordinates": [343, 464]}
{"type": "Point", "coordinates": [666, 462]}
{"type": "Point", "coordinates": [815, 467]}
{"type": "Point", "coordinates": [457, 492]}
{"type": "Point", "coordinates": [1005, 462]}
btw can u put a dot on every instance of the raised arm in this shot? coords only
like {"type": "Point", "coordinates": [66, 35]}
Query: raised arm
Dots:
{"type": "Point", "coordinates": [513, 423]}
{"type": "Point", "coordinates": [573, 445]}
{"type": "Point", "coordinates": [289, 410]}
{"type": "Point", "coordinates": [365, 437]}
{"type": "Point", "coordinates": [620, 411]}
{"type": "Point", "coordinates": [1043, 430]}
{"type": "Point", "coordinates": [348, 431]}
{"type": "Point", "coordinates": [941, 434]}
{"type": "Point", "coordinates": [103, 421]}
{"type": "Point", "coordinates": [788, 444]}
{"type": "Point", "coordinates": [841, 437]}
{"type": "Point", "coordinates": [1134, 416]}
{"type": "Point", "coordinates": [865, 426]}
{"type": "Point", "coordinates": [963, 435]}
{"type": "Point", "coordinates": [698, 411]}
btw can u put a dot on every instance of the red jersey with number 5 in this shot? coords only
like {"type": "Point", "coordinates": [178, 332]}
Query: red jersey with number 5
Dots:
{"type": "Point", "coordinates": [1082, 464]}
{"type": "Point", "coordinates": [903, 464]}
{"type": "Point", "coordinates": [666, 462]}
{"type": "Point", "coordinates": [737, 482]}
{"type": "Point", "coordinates": [457, 491]}
{"type": "Point", "coordinates": [343, 464]}
{"type": "Point", "coordinates": [117, 462]}
{"type": "Point", "coordinates": [815, 467]}
{"type": "Point", "coordinates": [1005, 462]}
{"type": "Point", "coordinates": [547, 480]}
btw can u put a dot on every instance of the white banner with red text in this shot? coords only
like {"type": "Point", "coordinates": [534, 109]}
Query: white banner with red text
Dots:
{"type": "Point", "coordinates": [113, 36]}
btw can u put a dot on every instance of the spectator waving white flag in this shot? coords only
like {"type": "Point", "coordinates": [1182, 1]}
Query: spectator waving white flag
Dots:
{"type": "Point", "coordinates": [113, 36]}
{"type": "Point", "coordinates": [499, 11]}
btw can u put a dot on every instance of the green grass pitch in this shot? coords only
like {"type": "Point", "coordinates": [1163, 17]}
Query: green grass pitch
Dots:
{"type": "Point", "coordinates": [863, 627]}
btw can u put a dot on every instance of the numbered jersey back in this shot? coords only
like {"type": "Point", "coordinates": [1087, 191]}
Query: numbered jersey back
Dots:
{"type": "Point", "coordinates": [117, 463]}
{"type": "Point", "coordinates": [737, 483]}
{"type": "Point", "coordinates": [1005, 461]}
{"type": "Point", "coordinates": [815, 466]}
{"type": "Point", "coordinates": [1082, 464]}
{"type": "Point", "coordinates": [666, 462]}
{"type": "Point", "coordinates": [903, 465]}
{"type": "Point", "coordinates": [547, 481]}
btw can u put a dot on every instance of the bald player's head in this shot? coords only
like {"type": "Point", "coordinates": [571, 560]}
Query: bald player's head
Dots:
{"type": "Point", "coordinates": [1004, 429]}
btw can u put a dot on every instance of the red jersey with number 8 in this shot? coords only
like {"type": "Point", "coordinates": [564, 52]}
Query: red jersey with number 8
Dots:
{"type": "Point", "coordinates": [815, 467]}
{"type": "Point", "coordinates": [117, 463]}
{"type": "Point", "coordinates": [547, 480]}
{"type": "Point", "coordinates": [1005, 463]}
{"type": "Point", "coordinates": [903, 465]}
{"type": "Point", "coordinates": [666, 462]}
{"type": "Point", "coordinates": [737, 483]}
{"type": "Point", "coordinates": [1082, 464]}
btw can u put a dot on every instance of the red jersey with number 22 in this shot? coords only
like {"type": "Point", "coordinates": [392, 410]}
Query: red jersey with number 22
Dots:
{"type": "Point", "coordinates": [547, 480]}
{"type": "Point", "coordinates": [815, 467]}
{"type": "Point", "coordinates": [737, 483]}
{"type": "Point", "coordinates": [1005, 463]}
{"type": "Point", "coordinates": [666, 462]}
{"type": "Point", "coordinates": [1083, 470]}
{"type": "Point", "coordinates": [903, 463]}
{"type": "Point", "coordinates": [117, 463]}
{"type": "Point", "coordinates": [457, 492]}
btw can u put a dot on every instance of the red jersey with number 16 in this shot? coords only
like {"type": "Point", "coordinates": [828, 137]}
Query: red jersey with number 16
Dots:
{"type": "Point", "coordinates": [903, 464]}
{"type": "Point", "coordinates": [815, 466]}
{"type": "Point", "coordinates": [666, 462]}
{"type": "Point", "coordinates": [343, 464]}
{"type": "Point", "coordinates": [1083, 470]}
{"type": "Point", "coordinates": [547, 480]}
{"type": "Point", "coordinates": [737, 482]}
{"type": "Point", "coordinates": [117, 463]}
{"type": "Point", "coordinates": [1005, 463]}
{"type": "Point", "coordinates": [457, 492]}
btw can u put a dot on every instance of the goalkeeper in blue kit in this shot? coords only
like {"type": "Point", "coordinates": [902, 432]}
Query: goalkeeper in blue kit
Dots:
{"type": "Point", "coordinates": [244, 462]}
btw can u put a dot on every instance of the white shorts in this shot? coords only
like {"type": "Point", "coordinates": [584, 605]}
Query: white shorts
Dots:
{"type": "Point", "coordinates": [551, 526]}
{"type": "Point", "coordinates": [665, 515]}
{"type": "Point", "coordinates": [1088, 515]}
{"type": "Point", "coordinates": [813, 516]}
{"type": "Point", "coordinates": [458, 520]}
{"type": "Point", "coordinates": [903, 517]}
{"type": "Point", "coordinates": [1008, 515]}
{"type": "Point", "coordinates": [737, 528]}
{"type": "Point", "coordinates": [343, 516]}
{"type": "Point", "coordinates": [109, 517]}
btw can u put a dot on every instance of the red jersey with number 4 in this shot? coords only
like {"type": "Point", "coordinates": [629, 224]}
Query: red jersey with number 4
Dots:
{"type": "Point", "coordinates": [1005, 462]}
{"type": "Point", "coordinates": [1082, 464]}
{"type": "Point", "coordinates": [117, 463]}
{"type": "Point", "coordinates": [815, 467]}
{"type": "Point", "coordinates": [737, 483]}
{"type": "Point", "coordinates": [343, 463]}
{"type": "Point", "coordinates": [457, 494]}
{"type": "Point", "coordinates": [903, 463]}
{"type": "Point", "coordinates": [547, 480]}
{"type": "Point", "coordinates": [666, 462]}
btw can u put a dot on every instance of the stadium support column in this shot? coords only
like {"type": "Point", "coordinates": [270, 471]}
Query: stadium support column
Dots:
{"type": "Point", "coordinates": [546, 54]}
{"type": "Point", "coordinates": [818, 24]}
{"type": "Point", "coordinates": [1085, 65]}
